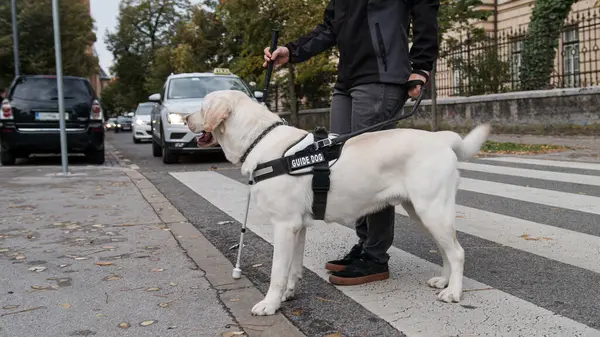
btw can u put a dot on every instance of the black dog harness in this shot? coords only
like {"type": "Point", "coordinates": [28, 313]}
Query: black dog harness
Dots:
{"type": "Point", "coordinates": [318, 150]}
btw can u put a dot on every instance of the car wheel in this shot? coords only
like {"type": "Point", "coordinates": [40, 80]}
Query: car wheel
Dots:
{"type": "Point", "coordinates": [135, 140]}
{"type": "Point", "coordinates": [95, 156]}
{"type": "Point", "coordinates": [116, 130]}
{"type": "Point", "coordinates": [168, 157]}
{"type": "Point", "coordinates": [7, 158]}
{"type": "Point", "coordinates": [156, 149]}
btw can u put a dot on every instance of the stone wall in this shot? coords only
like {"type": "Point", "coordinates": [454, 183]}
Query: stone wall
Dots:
{"type": "Point", "coordinates": [558, 111]}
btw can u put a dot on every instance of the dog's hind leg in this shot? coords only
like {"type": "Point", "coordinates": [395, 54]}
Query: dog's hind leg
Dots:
{"type": "Point", "coordinates": [438, 216]}
{"type": "Point", "coordinates": [283, 253]}
{"type": "Point", "coordinates": [297, 265]}
{"type": "Point", "coordinates": [439, 282]}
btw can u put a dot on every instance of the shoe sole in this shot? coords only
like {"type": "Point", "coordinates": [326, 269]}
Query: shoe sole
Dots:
{"type": "Point", "coordinates": [347, 281]}
{"type": "Point", "coordinates": [334, 267]}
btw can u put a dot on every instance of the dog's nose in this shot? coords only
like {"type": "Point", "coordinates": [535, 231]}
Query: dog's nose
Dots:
{"type": "Point", "coordinates": [186, 118]}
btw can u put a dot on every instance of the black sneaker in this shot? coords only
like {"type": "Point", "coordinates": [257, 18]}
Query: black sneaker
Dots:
{"type": "Point", "coordinates": [338, 265]}
{"type": "Point", "coordinates": [361, 270]}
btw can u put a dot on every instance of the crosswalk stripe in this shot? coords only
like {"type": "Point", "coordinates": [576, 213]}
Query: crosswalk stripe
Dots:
{"type": "Point", "coordinates": [535, 174]}
{"type": "Point", "coordinates": [404, 300]}
{"type": "Point", "coordinates": [571, 247]}
{"type": "Point", "coordinates": [582, 203]}
{"type": "Point", "coordinates": [542, 162]}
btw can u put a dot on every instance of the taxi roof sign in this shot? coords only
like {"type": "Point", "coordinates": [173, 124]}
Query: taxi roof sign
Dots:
{"type": "Point", "coordinates": [221, 71]}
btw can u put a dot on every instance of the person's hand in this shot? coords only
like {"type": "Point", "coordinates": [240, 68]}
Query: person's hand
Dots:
{"type": "Point", "coordinates": [414, 92]}
{"type": "Point", "coordinates": [280, 56]}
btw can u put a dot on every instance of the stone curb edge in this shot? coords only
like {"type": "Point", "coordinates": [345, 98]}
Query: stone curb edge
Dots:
{"type": "Point", "coordinates": [238, 296]}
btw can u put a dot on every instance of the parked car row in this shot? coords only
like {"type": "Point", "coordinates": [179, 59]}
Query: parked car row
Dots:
{"type": "Point", "coordinates": [29, 121]}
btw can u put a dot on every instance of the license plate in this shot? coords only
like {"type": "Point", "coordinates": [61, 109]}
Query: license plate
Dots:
{"type": "Point", "coordinates": [49, 116]}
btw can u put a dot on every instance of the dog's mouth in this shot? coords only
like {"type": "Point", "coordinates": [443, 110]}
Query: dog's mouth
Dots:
{"type": "Point", "coordinates": [206, 139]}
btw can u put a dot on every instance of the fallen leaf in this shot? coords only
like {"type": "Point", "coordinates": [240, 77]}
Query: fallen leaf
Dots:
{"type": "Point", "coordinates": [545, 238]}
{"type": "Point", "coordinates": [112, 278]}
{"type": "Point", "coordinates": [173, 284]}
{"type": "Point", "coordinates": [163, 304]}
{"type": "Point", "coordinates": [108, 247]}
{"type": "Point", "coordinates": [98, 226]}
{"type": "Point", "coordinates": [297, 312]}
{"type": "Point", "coordinates": [155, 259]}
{"type": "Point", "coordinates": [104, 263]}
{"type": "Point", "coordinates": [224, 222]}
{"type": "Point", "coordinates": [234, 299]}
{"type": "Point", "coordinates": [30, 236]}
{"type": "Point", "coordinates": [433, 251]}
{"type": "Point", "coordinates": [109, 233]}
{"type": "Point", "coordinates": [146, 323]}
{"type": "Point", "coordinates": [460, 217]}
{"type": "Point", "coordinates": [99, 315]}
{"type": "Point", "coordinates": [153, 289]}
{"type": "Point", "coordinates": [256, 265]}
{"type": "Point", "coordinates": [232, 333]}
{"type": "Point", "coordinates": [7, 307]}
{"type": "Point", "coordinates": [20, 257]}
{"type": "Point", "coordinates": [336, 334]}
{"type": "Point", "coordinates": [123, 325]}
{"type": "Point", "coordinates": [154, 270]}
{"type": "Point", "coordinates": [58, 224]}
{"type": "Point", "coordinates": [81, 258]}
{"type": "Point", "coordinates": [531, 239]}
{"type": "Point", "coordinates": [37, 268]}
{"type": "Point", "coordinates": [524, 236]}
{"type": "Point", "coordinates": [64, 305]}
{"type": "Point", "coordinates": [3, 250]}
{"type": "Point", "coordinates": [64, 265]}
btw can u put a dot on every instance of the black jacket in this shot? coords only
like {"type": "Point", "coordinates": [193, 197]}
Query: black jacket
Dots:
{"type": "Point", "coordinates": [372, 38]}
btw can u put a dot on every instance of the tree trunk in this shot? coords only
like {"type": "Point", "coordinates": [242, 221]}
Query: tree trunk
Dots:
{"type": "Point", "coordinates": [292, 96]}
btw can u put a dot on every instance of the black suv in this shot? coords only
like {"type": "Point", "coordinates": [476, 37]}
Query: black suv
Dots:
{"type": "Point", "coordinates": [29, 120]}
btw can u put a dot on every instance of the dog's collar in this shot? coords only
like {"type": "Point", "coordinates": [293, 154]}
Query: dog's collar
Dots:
{"type": "Point", "coordinates": [259, 138]}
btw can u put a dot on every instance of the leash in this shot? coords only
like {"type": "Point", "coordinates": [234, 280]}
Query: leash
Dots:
{"type": "Point", "coordinates": [237, 271]}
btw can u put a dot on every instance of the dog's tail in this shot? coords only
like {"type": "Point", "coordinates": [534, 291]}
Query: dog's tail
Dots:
{"type": "Point", "coordinates": [470, 145]}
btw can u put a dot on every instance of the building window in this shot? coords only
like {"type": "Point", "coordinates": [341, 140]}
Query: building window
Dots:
{"type": "Point", "coordinates": [570, 41]}
{"type": "Point", "coordinates": [516, 58]}
{"type": "Point", "coordinates": [457, 82]}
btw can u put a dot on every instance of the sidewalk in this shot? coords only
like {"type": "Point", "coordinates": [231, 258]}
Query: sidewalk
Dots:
{"type": "Point", "coordinates": [103, 253]}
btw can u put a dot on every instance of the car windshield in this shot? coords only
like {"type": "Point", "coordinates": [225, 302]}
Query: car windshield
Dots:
{"type": "Point", "coordinates": [198, 87]}
{"type": "Point", "coordinates": [123, 119]}
{"type": "Point", "coordinates": [143, 110]}
{"type": "Point", "coordinates": [45, 89]}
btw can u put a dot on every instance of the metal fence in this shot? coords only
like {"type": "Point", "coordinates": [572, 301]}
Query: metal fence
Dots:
{"type": "Point", "coordinates": [485, 64]}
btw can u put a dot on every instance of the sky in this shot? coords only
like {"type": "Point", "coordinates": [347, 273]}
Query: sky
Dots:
{"type": "Point", "coordinates": [105, 14]}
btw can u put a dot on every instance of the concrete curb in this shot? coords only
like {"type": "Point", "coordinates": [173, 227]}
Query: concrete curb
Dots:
{"type": "Point", "coordinates": [124, 162]}
{"type": "Point", "coordinates": [238, 296]}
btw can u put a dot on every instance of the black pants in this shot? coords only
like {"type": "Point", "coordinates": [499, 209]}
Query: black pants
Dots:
{"type": "Point", "coordinates": [354, 109]}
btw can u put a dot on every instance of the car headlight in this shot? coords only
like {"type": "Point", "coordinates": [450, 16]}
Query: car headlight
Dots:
{"type": "Point", "coordinates": [176, 119]}
{"type": "Point", "coordinates": [118, 125]}
{"type": "Point", "coordinates": [139, 122]}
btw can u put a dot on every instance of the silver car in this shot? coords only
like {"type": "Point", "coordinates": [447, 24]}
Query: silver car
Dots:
{"type": "Point", "coordinates": [181, 95]}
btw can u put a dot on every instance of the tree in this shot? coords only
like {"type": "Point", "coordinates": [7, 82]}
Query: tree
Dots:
{"type": "Point", "coordinates": [36, 39]}
{"type": "Point", "coordinates": [144, 27]}
{"type": "Point", "coordinates": [541, 42]}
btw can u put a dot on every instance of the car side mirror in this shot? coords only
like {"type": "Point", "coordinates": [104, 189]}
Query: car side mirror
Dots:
{"type": "Point", "coordinates": [154, 98]}
{"type": "Point", "coordinates": [259, 95]}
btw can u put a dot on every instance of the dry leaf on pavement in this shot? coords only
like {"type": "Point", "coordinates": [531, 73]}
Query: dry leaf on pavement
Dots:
{"type": "Point", "coordinates": [123, 325]}
{"type": "Point", "coordinates": [146, 323]}
{"type": "Point", "coordinates": [173, 284]}
{"type": "Point", "coordinates": [163, 304]}
{"type": "Point", "coordinates": [20, 257]}
{"type": "Point", "coordinates": [256, 265]}
{"type": "Point", "coordinates": [64, 305]}
{"type": "Point", "coordinates": [104, 263]}
{"type": "Point", "coordinates": [154, 270]}
{"type": "Point", "coordinates": [232, 333]}
{"type": "Point", "coordinates": [335, 334]}
{"type": "Point", "coordinates": [37, 268]}
{"type": "Point", "coordinates": [7, 307]}
{"type": "Point", "coordinates": [153, 289]}
{"type": "Point", "coordinates": [112, 278]}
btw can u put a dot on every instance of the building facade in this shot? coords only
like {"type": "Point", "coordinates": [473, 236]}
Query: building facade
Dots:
{"type": "Point", "coordinates": [494, 65]}
{"type": "Point", "coordinates": [100, 79]}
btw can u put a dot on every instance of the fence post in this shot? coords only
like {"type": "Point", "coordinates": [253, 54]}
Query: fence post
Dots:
{"type": "Point", "coordinates": [436, 118]}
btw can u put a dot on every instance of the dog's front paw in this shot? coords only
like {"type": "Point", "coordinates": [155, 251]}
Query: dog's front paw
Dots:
{"type": "Point", "coordinates": [288, 295]}
{"type": "Point", "coordinates": [439, 282]}
{"type": "Point", "coordinates": [265, 308]}
{"type": "Point", "coordinates": [450, 295]}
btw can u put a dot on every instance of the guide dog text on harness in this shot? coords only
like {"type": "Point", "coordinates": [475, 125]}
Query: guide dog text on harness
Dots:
{"type": "Point", "coordinates": [307, 160]}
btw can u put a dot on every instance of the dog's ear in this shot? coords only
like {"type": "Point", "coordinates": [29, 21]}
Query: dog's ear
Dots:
{"type": "Point", "coordinates": [215, 112]}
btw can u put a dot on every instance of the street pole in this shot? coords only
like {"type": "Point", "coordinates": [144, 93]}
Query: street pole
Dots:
{"type": "Point", "coordinates": [13, 9]}
{"type": "Point", "coordinates": [59, 79]}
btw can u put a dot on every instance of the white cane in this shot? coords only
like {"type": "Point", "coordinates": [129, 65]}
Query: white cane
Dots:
{"type": "Point", "coordinates": [237, 272]}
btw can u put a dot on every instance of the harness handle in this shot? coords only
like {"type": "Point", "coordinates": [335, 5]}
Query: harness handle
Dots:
{"type": "Point", "coordinates": [274, 38]}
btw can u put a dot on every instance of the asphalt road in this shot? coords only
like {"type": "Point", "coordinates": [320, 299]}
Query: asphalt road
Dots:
{"type": "Point", "coordinates": [530, 232]}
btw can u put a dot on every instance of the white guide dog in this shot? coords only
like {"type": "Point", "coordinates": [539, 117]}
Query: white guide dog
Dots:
{"type": "Point", "coordinates": [414, 168]}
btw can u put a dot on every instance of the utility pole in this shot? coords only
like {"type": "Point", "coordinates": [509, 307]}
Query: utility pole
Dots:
{"type": "Point", "coordinates": [13, 9]}
{"type": "Point", "coordinates": [59, 79]}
